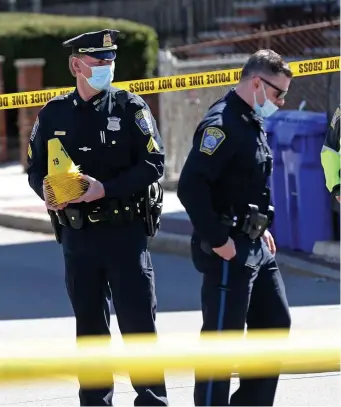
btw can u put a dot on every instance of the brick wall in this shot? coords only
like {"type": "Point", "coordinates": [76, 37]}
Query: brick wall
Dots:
{"type": "Point", "coordinates": [29, 77]}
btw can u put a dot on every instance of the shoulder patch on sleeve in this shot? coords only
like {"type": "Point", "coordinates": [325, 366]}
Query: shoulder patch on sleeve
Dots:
{"type": "Point", "coordinates": [211, 140]}
{"type": "Point", "coordinates": [35, 128]}
{"type": "Point", "coordinates": [143, 119]}
{"type": "Point", "coordinates": [335, 117]}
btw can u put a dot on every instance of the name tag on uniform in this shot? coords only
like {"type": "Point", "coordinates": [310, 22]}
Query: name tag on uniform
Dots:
{"type": "Point", "coordinates": [59, 133]}
{"type": "Point", "coordinates": [114, 123]}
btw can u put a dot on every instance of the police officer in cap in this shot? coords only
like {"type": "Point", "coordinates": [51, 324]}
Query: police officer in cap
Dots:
{"type": "Point", "coordinates": [113, 136]}
{"type": "Point", "coordinates": [223, 187]}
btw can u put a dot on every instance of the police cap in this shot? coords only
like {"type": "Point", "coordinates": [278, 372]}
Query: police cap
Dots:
{"type": "Point", "coordinates": [97, 44]}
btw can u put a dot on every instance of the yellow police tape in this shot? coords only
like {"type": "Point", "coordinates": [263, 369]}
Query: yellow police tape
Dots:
{"type": "Point", "coordinates": [171, 83]}
{"type": "Point", "coordinates": [95, 360]}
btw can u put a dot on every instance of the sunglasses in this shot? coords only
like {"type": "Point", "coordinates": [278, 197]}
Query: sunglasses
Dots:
{"type": "Point", "coordinates": [281, 93]}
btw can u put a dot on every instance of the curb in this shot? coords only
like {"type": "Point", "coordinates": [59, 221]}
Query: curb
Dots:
{"type": "Point", "coordinates": [298, 266]}
{"type": "Point", "coordinates": [180, 245]}
{"type": "Point", "coordinates": [170, 243]}
{"type": "Point", "coordinates": [329, 250]}
{"type": "Point", "coordinates": [20, 221]}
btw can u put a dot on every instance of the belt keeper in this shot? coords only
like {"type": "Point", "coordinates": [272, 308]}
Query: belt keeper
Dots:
{"type": "Point", "coordinates": [115, 216]}
{"type": "Point", "coordinates": [129, 212]}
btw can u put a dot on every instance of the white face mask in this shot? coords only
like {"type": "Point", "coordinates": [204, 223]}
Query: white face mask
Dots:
{"type": "Point", "coordinates": [101, 76]}
{"type": "Point", "coordinates": [268, 107]}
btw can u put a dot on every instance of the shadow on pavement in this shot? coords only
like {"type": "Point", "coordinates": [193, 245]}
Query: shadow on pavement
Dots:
{"type": "Point", "coordinates": [32, 284]}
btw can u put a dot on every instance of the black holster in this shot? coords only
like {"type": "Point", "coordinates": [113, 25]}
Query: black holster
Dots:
{"type": "Point", "coordinates": [256, 223]}
{"type": "Point", "coordinates": [56, 226]}
{"type": "Point", "coordinates": [153, 204]}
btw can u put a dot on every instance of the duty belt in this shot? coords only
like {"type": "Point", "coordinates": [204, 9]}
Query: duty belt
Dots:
{"type": "Point", "coordinates": [115, 211]}
{"type": "Point", "coordinates": [253, 223]}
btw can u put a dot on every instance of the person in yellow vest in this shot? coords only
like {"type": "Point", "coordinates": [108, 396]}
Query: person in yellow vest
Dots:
{"type": "Point", "coordinates": [330, 155]}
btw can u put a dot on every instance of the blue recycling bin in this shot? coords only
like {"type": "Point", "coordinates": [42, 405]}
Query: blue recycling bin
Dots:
{"type": "Point", "coordinates": [302, 202]}
{"type": "Point", "coordinates": [280, 227]}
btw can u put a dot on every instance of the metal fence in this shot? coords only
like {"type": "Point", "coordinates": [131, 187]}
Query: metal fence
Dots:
{"type": "Point", "coordinates": [186, 21]}
{"type": "Point", "coordinates": [315, 40]}
{"type": "Point", "coordinates": [180, 112]}
{"type": "Point", "coordinates": [226, 33]}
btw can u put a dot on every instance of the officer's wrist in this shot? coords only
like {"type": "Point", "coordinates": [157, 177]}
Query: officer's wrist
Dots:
{"type": "Point", "coordinates": [102, 188]}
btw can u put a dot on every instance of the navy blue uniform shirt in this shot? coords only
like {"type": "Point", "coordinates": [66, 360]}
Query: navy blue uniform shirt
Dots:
{"type": "Point", "coordinates": [121, 149]}
{"type": "Point", "coordinates": [228, 166]}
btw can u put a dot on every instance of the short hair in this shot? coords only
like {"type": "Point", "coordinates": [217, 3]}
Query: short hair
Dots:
{"type": "Point", "coordinates": [267, 62]}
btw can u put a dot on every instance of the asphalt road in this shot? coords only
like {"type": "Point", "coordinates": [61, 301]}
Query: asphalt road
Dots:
{"type": "Point", "coordinates": [33, 304]}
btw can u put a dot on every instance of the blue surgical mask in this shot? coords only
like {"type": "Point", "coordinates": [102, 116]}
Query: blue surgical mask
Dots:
{"type": "Point", "coordinates": [267, 109]}
{"type": "Point", "coordinates": [101, 76]}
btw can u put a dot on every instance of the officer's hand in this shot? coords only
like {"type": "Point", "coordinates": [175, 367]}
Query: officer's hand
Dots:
{"type": "Point", "coordinates": [269, 241]}
{"type": "Point", "coordinates": [95, 191]}
{"type": "Point", "coordinates": [228, 251]}
{"type": "Point", "coordinates": [48, 206]}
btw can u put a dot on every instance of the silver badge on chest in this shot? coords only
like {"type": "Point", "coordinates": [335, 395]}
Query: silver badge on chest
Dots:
{"type": "Point", "coordinates": [114, 123]}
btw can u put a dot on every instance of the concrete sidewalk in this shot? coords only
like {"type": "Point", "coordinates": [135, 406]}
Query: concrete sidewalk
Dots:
{"type": "Point", "coordinates": [20, 208]}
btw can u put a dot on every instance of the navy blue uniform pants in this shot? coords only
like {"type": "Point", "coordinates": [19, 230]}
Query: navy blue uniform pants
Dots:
{"type": "Point", "coordinates": [247, 289]}
{"type": "Point", "coordinates": [103, 256]}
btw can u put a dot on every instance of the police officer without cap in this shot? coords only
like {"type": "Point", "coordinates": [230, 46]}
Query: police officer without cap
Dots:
{"type": "Point", "coordinates": [104, 238]}
{"type": "Point", "coordinates": [223, 187]}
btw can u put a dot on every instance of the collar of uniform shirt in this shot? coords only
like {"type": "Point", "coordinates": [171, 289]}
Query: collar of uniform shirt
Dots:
{"type": "Point", "coordinates": [241, 107]}
{"type": "Point", "coordinates": [95, 101]}
{"type": "Point", "coordinates": [237, 103]}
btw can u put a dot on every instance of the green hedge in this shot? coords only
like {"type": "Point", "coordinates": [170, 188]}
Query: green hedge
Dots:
{"type": "Point", "coordinates": [28, 35]}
